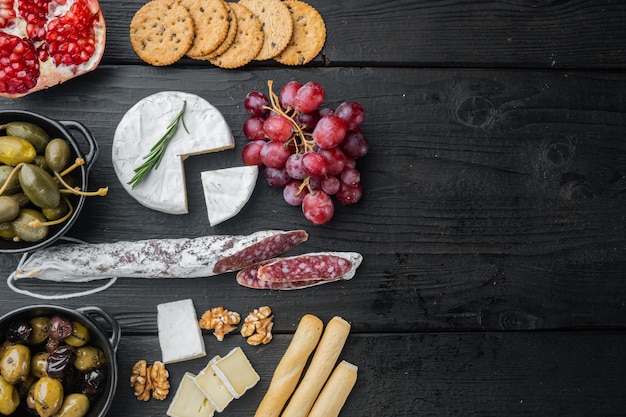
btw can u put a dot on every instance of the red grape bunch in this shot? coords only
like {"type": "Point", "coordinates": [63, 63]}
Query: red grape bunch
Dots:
{"type": "Point", "coordinates": [308, 149]}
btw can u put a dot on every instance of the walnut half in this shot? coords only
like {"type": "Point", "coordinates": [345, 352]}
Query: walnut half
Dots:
{"type": "Point", "coordinates": [220, 320]}
{"type": "Point", "coordinates": [257, 326]}
{"type": "Point", "coordinates": [150, 381]}
{"type": "Point", "coordinates": [139, 380]}
{"type": "Point", "coordinates": [159, 380]}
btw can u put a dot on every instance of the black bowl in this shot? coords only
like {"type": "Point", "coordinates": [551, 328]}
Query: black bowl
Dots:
{"type": "Point", "coordinates": [56, 129]}
{"type": "Point", "coordinates": [91, 317]}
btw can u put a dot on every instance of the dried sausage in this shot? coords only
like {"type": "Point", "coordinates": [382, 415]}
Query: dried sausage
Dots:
{"type": "Point", "coordinates": [312, 266]}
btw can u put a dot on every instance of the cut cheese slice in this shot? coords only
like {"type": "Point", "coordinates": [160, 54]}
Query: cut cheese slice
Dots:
{"type": "Point", "coordinates": [236, 372]}
{"type": "Point", "coordinates": [189, 401]}
{"type": "Point", "coordinates": [163, 189]}
{"type": "Point", "coordinates": [213, 387]}
{"type": "Point", "coordinates": [227, 190]}
{"type": "Point", "coordinates": [180, 335]}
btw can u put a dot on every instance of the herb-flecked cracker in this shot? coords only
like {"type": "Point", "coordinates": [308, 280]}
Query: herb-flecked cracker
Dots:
{"type": "Point", "coordinates": [309, 34]}
{"type": "Point", "coordinates": [277, 25]}
{"type": "Point", "coordinates": [230, 36]}
{"type": "Point", "coordinates": [211, 23]}
{"type": "Point", "coordinates": [248, 40]}
{"type": "Point", "coordinates": [161, 32]}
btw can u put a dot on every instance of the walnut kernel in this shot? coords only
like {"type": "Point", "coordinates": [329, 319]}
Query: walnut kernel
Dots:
{"type": "Point", "coordinates": [257, 326]}
{"type": "Point", "coordinates": [140, 380]}
{"type": "Point", "coordinates": [220, 320]}
{"type": "Point", "coordinates": [159, 380]}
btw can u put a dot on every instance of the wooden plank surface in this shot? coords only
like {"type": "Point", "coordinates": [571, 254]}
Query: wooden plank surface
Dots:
{"type": "Point", "coordinates": [492, 223]}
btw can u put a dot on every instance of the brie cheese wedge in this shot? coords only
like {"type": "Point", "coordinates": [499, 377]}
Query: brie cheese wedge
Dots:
{"type": "Point", "coordinates": [180, 335]}
{"type": "Point", "coordinates": [163, 189]}
{"type": "Point", "coordinates": [227, 190]}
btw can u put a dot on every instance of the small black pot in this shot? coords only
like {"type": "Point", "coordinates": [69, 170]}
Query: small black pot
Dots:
{"type": "Point", "coordinates": [56, 129]}
{"type": "Point", "coordinates": [99, 338]}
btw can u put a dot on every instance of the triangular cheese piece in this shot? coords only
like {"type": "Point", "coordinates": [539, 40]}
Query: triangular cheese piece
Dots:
{"type": "Point", "coordinates": [226, 191]}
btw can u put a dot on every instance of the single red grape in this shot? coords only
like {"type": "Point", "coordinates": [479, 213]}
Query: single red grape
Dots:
{"type": "Point", "coordinates": [354, 145]}
{"type": "Point", "coordinates": [253, 128]}
{"type": "Point", "coordinates": [275, 154]}
{"type": "Point", "coordinates": [307, 121]}
{"type": "Point", "coordinates": [251, 153]}
{"type": "Point", "coordinates": [351, 176]}
{"type": "Point", "coordinates": [254, 103]}
{"type": "Point", "coordinates": [276, 177]}
{"type": "Point", "coordinates": [277, 127]}
{"type": "Point", "coordinates": [318, 207]}
{"type": "Point", "coordinates": [314, 164]}
{"type": "Point", "coordinates": [287, 94]}
{"type": "Point", "coordinates": [335, 158]}
{"type": "Point", "coordinates": [329, 132]}
{"type": "Point", "coordinates": [292, 193]}
{"type": "Point", "coordinates": [349, 194]}
{"type": "Point", "coordinates": [330, 184]}
{"type": "Point", "coordinates": [352, 114]}
{"type": "Point", "coordinates": [309, 97]}
{"type": "Point", "coordinates": [294, 167]}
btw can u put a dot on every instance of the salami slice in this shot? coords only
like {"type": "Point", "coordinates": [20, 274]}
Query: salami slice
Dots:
{"type": "Point", "coordinates": [312, 266]}
{"type": "Point", "coordinates": [267, 248]}
{"type": "Point", "coordinates": [154, 258]}
{"type": "Point", "coordinates": [247, 277]}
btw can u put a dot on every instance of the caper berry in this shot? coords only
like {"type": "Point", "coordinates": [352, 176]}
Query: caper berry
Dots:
{"type": "Point", "coordinates": [14, 150]}
{"type": "Point", "coordinates": [30, 132]}
{"type": "Point", "coordinates": [9, 209]}
{"type": "Point", "coordinates": [58, 154]}
{"type": "Point", "coordinates": [57, 212]}
{"type": "Point", "coordinates": [6, 231]}
{"type": "Point", "coordinates": [39, 186]}
{"type": "Point", "coordinates": [25, 229]}
{"type": "Point", "coordinates": [13, 186]}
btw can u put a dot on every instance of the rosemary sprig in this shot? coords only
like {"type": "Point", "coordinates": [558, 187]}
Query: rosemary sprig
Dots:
{"type": "Point", "coordinates": [153, 158]}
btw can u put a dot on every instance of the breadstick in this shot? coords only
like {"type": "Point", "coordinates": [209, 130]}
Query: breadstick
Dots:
{"type": "Point", "coordinates": [336, 391]}
{"type": "Point", "coordinates": [322, 364]}
{"type": "Point", "coordinates": [290, 367]}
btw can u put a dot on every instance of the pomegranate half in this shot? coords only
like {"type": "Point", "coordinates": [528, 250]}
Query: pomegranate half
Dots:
{"type": "Point", "coordinates": [46, 42]}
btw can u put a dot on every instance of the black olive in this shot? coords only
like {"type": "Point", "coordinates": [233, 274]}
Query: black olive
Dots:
{"type": "Point", "coordinates": [59, 362]}
{"type": "Point", "coordinates": [95, 380]}
{"type": "Point", "coordinates": [19, 331]}
{"type": "Point", "coordinates": [59, 327]}
{"type": "Point", "coordinates": [73, 380]}
{"type": "Point", "coordinates": [52, 344]}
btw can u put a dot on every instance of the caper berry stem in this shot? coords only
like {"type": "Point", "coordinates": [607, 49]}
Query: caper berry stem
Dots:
{"type": "Point", "coordinates": [77, 163]}
{"type": "Point", "coordinates": [69, 190]}
{"type": "Point", "coordinates": [38, 223]}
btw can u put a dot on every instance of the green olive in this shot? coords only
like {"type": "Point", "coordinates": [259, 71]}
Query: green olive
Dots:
{"type": "Point", "coordinates": [13, 186]}
{"type": "Point", "coordinates": [80, 335]}
{"type": "Point", "coordinates": [40, 330]}
{"type": "Point", "coordinates": [74, 405]}
{"type": "Point", "coordinates": [48, 396]}
{"type": "Point", "coordinates": [57, 212]}
{"type": "Point", "coordinates": [39, 186]}
{"type": "Point", "coordinates": [9, 398]}
{"type": "Point", "coordinates": [31, 132]}
{"type": "Point", "coordinates": [14, 150]}
{"type": "Point", "coordinates": [88, 357]}
{"type": "Point", "coordinates": [15, 364]}
{"type": "Point", "coordinates": [38, 364]}
{"type": "Point", "coordinates": [5, 346]}
{"type": "Point", "coordinates": [25, 229]}
{"type": "Point", "coordinates": [58, 155]}
{"type": "Point", "coordinates": [9, 209]}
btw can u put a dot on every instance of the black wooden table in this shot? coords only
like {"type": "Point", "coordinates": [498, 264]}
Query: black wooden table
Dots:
{"type": "Point", "coordinates": [492, 222]}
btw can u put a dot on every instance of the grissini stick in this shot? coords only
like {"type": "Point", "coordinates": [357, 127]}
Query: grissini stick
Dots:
{"type": "Point", "coordinates": [324, 360]}
{"type": "Point", "coordinates": [290, 367]}
{"type": "Point", "coordinates": [336, 391]}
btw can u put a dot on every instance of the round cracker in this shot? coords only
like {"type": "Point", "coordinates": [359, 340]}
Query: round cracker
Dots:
{"type": "Point", "coordinates": [277, 25]}
{"type": "Point", "coordinates": [230, 36]}
{"type": "Point", "coordinates": [210, 19]}
{"type": "Point", "coordinates": [161, 32]}
{"type": "Point", "coordinates": [309, 34]}
{"type": "Point", "coordinates": [248, 40]}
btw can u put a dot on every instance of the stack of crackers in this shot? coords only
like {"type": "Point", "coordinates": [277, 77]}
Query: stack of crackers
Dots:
{"type": "Point", "coordinates": [227, 34]}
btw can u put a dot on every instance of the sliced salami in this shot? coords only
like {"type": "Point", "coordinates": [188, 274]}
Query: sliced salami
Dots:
{"type": "Point", "coordinates": [247, 277]}
{"type": "Point", "coordinates": [154, 258]}
{"type": "Point", "coordinates": [265, 249]}
{"type": "Point", "coordinates": [311, 266]}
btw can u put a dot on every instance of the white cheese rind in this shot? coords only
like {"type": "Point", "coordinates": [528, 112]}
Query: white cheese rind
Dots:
{"type": "Point", "coordinates": [144, 124]}
{"type": "Point", "coordinates": [236, 371]}
{"type": "Point", "coordinates": [226, 191]}
{"type": "Point", "coordinates": [189, 401]}
{"type": "Point", "coordinates": [213, 387]}
{"type": "Point", "coordinates": [180, 335]}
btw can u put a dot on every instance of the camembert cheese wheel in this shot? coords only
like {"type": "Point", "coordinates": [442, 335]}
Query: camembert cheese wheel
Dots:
{"type": "Point", "coordinates": [163, 189]}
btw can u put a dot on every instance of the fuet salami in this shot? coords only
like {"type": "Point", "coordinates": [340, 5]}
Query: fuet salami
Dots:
{"type": "Point", "coordinates": [156, 258]}
{"type": "Point", "coordinates": [300, 271]}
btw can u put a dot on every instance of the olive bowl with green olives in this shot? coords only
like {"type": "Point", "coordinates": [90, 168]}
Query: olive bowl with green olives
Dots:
{"type": "Point", "coordinates": [72, 371]}
{"type": "Point", "coordinates": [54, 129]}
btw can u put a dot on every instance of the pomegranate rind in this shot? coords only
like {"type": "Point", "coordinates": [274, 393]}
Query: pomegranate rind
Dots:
{"type": "Point", "coordinates": [51, 74]}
